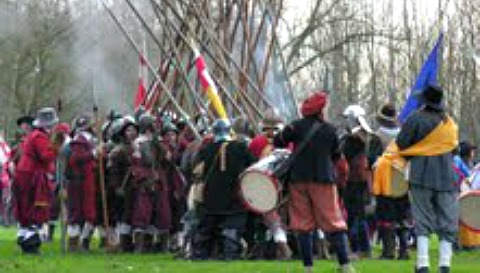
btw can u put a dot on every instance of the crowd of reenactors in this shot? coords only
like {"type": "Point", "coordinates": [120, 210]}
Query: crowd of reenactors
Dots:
{"type": "Point", "coordinates": [145, 184]}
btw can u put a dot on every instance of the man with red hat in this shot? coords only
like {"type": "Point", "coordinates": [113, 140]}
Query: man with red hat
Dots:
{"type": "Point", "coordinates": [313, 192]}
{"type": "Point", "coordinates": [30, 187]}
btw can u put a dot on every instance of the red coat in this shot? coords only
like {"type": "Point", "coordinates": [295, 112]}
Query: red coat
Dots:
{"type": "Point", "coordinates": [30, 189]}
{"type": "Point", "coordinates": [37, 152]}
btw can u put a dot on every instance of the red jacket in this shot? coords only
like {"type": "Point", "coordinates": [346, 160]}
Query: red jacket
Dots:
{"type": "Point", "coordinates": [38, 153]}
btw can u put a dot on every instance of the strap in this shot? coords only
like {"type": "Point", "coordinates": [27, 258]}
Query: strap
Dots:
{"type": "Point", "coordinates": [223, 147]}
{"type": "Point", "coordinates": [282, 169]}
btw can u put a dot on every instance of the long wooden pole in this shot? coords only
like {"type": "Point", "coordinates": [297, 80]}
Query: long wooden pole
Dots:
{"type": "Point", "coordinates": [162, 84]}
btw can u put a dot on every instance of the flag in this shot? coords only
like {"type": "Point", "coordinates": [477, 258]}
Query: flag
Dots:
{"type": "Point", "coordinates": [209, 86]}
{"type": "Point", "coordinates": [141, 91]}
{"type": "Point", "coordinates": [427, 76]}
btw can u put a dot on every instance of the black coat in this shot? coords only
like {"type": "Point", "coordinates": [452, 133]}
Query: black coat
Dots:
{"type": "Point", "coordinates": [221, 189]}
{"type": "Point", "coordinates": [432, 172]}
{"type": "Point", "coordinates": [315, 161]}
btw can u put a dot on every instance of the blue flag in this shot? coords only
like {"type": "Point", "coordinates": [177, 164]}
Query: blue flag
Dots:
{"type": "Point", "coordinates": [427, 76]}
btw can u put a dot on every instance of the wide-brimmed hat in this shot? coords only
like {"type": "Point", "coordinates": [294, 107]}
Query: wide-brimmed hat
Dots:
{"type": "Point", "coordinates": [46, 118]}
{"type": "Point", "coordinates": [25, 119]}
{"type": "Point", "coordinates": [387, 116]}
{"type": "Point", "coordinates": [432, 96]}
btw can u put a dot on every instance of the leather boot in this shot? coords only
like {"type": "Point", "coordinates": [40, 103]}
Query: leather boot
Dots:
{"type": "Point", "coordinates": [102, 243]}
{"type": "Point", "coordinates": [51, 233]}
{"type": "Point", "coordinates": [139, 242]}
{"type": "Point", "coordinates": [85, 245]}
{"type": "Point", "coordinates": [388, 243]}
{"type": "Point", "coordinates": [73, 244]}
{"type": "Point", "coordinates": [403, 244]}
{"type": "Point", "coordinates": [148, 242]}
{"type": "Point", "coordinates": [126, 243]}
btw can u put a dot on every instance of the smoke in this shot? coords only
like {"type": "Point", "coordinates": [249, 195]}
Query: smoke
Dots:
{"type": "Point", "coordinates": [103, 65]}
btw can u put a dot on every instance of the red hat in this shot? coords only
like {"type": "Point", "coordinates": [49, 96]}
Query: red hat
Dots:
{"type": "Point", "coordinates": [62, 128]}
{"type": "Point", "coordinates": [314, 104]}
{"type": "Point", "coordinates": [257, 145]}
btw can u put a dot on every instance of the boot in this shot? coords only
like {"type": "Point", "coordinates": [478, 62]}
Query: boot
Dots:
{"type": "Point", "coordinates": [403, 244]}
{"type": "Point", "coordinates": [51, 232]}
{"type": "Point", "coordinates": [422, 270]}
{"type": "Point", "coordinates": [73, 244]}
{"type": "Point", "coordinates": [85, 245]}
{"type": "Point", "coordinates": [126, 243]}
{"type": "Point", "coordinates": [283, 251]}
{"type": "Point", "coordinates": [444, 269]}
{"type": "Point", "coordinates": [322, 249]}
{"type": "Point", "coordinates": [148, 242]}
{"type": "Point", "coordinates": [162, 244]}
{"type": "Point", "coordinates": [31, 245]}
{"type": "Point", "coordinates": [102, 243]}
{"type": "Point", "coordinates": [139, 242]}
{"type": "Point", "coordinates": [388, 243]}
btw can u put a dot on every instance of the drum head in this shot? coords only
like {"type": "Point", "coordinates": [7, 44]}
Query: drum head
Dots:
{"type": "Point", "coordinates": [399, 184]}
{"type": "Point", "coordinates": [469, 208]}
{"type": "Point", "coordinates": [258, 191]}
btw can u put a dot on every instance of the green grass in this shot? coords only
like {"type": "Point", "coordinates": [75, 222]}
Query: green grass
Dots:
{"type": "Point", "coordinates": [51, 260]}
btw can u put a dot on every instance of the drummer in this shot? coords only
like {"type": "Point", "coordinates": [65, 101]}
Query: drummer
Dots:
{"type": "Point", "coordinates": [467, 239]}
{"type": "Point", "coordinates": [261, 146]}
{"type": "Point", "coordinates": [313, 193]}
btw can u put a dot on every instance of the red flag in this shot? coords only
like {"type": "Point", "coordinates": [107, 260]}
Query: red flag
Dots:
{"type": "Point", "coordinates": [141, 91]}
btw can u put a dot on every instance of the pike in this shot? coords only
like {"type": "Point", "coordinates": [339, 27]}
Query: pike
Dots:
{"type": "Point", "coordinates": [162, 84]}
{"type": "Point", "coordinates": [200, 104]}
{"type": "Point", "coordinates": [190, 43]}
{"type": "Point", "coordinates": [225, 53]}
{"type": "Point", "coordinates": [176, 53]}
{"type": "Point", "coordinates": [177, 62]}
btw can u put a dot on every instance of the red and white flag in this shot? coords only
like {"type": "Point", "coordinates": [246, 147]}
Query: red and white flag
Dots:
{"type": "Point", "coordinates": [141, 91]}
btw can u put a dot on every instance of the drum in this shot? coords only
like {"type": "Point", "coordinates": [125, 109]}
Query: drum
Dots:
{"type": "Point", "coordinates": [399, 186]}
{"type": "Point", "coordinates": [259, 186]}
{"type": "Point", "coordinates": [469, 204]}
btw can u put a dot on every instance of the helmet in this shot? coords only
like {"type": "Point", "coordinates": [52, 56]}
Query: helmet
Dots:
{"type": "Point", "coordinates": [356, 120]}
{"type": "Point", "coordinates": [354, 111]}
{"type": "Point", "coordinates": [221, 129]}
{"type": "Point", "coordinates": [145, 122]}
{"type": "Point", "coordinates": [82, 123]}
{"type": "Point", "coordinates": [46, 118]}
{"type": "Point", "coordinates": [169, 127]}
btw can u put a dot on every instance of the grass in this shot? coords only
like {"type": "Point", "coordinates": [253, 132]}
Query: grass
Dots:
{"type": "Point", "coordinates": [51, 260]}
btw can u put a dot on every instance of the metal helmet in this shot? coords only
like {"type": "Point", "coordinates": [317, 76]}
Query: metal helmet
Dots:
{"type": "Point", "coordinates": [354, 111]}
{"type": "Point", "coordinates": [356, 118]}
{"type": "Point", "coordinates": [82, 123]}
{"type": "Point", "coordinates": [221, 129]}
{"type": "Point", "coordinates": [145, 122]}
{"type": "Point", "coordinates": [114, 131]}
